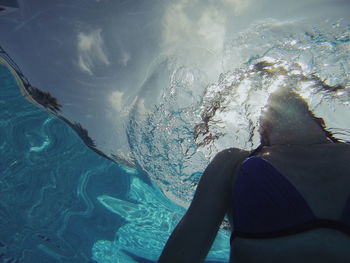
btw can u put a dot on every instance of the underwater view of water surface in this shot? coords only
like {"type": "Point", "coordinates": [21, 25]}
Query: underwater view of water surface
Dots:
{"type": "Point", "coordinates": [110, 112]}
{"type": "Point", "coordinates": [61, 202]}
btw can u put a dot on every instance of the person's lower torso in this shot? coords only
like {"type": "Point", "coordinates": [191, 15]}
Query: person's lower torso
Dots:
{"type": "Point", "coordinates": [320, 245]}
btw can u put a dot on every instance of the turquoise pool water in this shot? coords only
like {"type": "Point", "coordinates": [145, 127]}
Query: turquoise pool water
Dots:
{"type": "Point", "coordinates": [61, 202]}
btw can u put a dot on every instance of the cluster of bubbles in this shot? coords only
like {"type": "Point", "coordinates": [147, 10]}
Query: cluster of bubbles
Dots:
{"type": "Point", "coordinates": [193, 121]}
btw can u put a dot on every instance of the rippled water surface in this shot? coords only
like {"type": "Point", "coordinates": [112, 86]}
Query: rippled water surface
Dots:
{"type": "Point", "coordinates": [62, 202]}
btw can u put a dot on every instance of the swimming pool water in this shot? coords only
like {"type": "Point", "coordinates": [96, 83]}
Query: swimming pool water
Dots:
{"type": "Point", "coordinates": [158, 87]}
{"type": "Point", "coordinates": [61, 202]}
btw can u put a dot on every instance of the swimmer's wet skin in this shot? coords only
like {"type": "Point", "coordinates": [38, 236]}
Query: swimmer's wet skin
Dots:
{"type": "Point", "coordinates": [273, 217]}
{"type": "Point", "coordinates": [298, 212]}
{"type": "Point", "coordinates": [272, 221]}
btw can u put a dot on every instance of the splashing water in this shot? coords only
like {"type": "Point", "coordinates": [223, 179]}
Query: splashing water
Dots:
{"type": "Point", "coordinates": [174, 141]}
